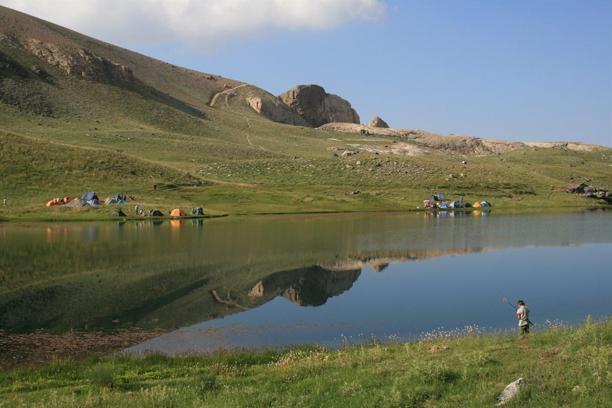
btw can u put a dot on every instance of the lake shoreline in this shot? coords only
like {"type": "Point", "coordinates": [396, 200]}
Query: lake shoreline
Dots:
{"type": "Point", "coordinates": [39, 348]}
{"type": "Point", "coordinates": [500, 211]}
{"type": "Point", "coordinates": [559, 366]}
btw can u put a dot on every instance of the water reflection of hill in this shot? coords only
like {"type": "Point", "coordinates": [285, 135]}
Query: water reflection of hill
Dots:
{"type": "Point", "coordinates": [101, 276]}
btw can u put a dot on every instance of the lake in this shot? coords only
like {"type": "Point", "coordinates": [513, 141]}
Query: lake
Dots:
{"type": "Point", "coordinates": [204, 285]}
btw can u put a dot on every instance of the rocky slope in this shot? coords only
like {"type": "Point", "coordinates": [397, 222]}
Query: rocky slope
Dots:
{"type": "Point", "coordinates": [23, 37]}
{"type": "Point", "coordinates": [317, 107]}
{"type": "Point", "coordinates": [429, 141]}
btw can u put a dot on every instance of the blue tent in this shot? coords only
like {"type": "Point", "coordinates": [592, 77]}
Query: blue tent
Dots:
{"type": "Point", "coordinates": [90, 195]}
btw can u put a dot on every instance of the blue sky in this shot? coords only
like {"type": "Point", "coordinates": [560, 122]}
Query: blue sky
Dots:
{"type": "Point", "coordinates": [515, 70]}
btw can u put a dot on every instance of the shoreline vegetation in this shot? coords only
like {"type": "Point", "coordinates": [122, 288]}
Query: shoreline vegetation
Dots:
{"type": "Point", "coordinates": [560, 366]}
{"type": "Point", "coordinates": [104, 214]}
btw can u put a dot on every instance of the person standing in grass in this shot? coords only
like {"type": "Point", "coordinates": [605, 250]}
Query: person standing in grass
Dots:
{"type": "Point", "coordinates": [522, 315]}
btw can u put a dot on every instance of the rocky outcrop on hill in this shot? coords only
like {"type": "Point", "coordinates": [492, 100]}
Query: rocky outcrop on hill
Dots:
{"type": "Point", "coordinates": [377, 122]}
{"type": "Point", "coordinates": [79, 62]}
{"type": "Point", "coordinates": [317, 107]}
{"type": "Point", "coordinates": [275, 110]}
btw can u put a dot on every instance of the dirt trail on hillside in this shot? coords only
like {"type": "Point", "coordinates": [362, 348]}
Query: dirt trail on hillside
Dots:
{"type": "Point", "coordinates": [225, 92]}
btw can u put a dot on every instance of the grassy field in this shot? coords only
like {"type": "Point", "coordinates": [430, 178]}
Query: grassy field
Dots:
{"type": "Point", "coordinates": [560, 366]}
{"type": "Point", "coordinates": [62, 134]}
{"type": "Point", "coordinates": [38, 168]}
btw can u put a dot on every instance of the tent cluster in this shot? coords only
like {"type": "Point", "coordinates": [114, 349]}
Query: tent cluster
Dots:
{"type": "Point", "coordinates": [437, 201]}
{"type": "Point", "coordinates": [178, 213]}
{"type": "Point", "coordinates": [174, 213]}
{"type": "Point", "coordinates": [89, 198]}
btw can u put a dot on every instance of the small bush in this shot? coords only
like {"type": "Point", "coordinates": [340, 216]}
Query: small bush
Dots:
{"type": "Point", "coordinates": [208, 382]}
{"type": "Point", "coordinates": [434, 373]}
{"type": "Point", "coordinates": [102, 375]}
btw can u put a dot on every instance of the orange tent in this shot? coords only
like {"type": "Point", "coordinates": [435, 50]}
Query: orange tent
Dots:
{"type": "Point", "coordinates": [177, 212]}
{"type": "Point", "coordinates": [477, 204]}
{"type": "Point", "coordinates": [54, 202]}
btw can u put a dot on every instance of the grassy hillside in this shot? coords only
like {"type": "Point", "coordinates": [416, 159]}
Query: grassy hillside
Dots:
{"type": "Point", "coordinates": [560, 367]}
{"type": "Point", "coordinates": [78, 114]}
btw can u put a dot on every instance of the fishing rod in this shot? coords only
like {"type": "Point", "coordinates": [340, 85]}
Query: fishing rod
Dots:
{"type": "Point", "coordinates": [505, 300]}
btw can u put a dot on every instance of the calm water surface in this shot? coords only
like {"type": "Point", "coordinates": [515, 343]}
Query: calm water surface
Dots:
{"type": "Point", "coordinates": [270, 281]}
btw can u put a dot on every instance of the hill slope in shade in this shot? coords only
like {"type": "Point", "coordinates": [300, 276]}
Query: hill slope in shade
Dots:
{"type": "Point", "coordinates": [79, 114]}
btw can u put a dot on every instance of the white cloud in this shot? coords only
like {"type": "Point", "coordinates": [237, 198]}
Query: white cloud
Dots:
{"type": "Point", "coordinates": [197, 22]}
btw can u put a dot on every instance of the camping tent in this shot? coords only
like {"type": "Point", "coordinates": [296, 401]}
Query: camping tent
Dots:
{"type": "Point", "coordinates": [120, 198]}
{"type": "Point", "coordinates": [177, 212]}
{"type": "Point", "coordinates": [54, 202]}
{"type": "Point", "coordinates": [197, 211]}
{"type": "Point", "coordinates": [156, 213]}
{"type": "Point", "coordinates": [485, 204]}
{"type": "Point", "coordinates": [90, 198]}
{"type": "Point", "coordinates": [90, 195]}
{"type": "Point", "coordinates": [476, 205]}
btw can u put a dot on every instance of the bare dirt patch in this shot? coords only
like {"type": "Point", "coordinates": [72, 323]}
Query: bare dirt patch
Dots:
{"type": "Point", "coordinates": [33, 349]}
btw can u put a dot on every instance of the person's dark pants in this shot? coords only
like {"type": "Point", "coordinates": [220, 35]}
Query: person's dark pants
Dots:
{"type": "Point", "coordinates": [523, 330]}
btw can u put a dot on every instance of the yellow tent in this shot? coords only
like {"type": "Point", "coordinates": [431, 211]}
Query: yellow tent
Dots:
{"type": "Point", "coordinates": [476, 204]}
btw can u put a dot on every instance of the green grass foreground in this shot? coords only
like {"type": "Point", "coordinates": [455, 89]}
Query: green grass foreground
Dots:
{"type": "Point", "coordinates": [560, 366]}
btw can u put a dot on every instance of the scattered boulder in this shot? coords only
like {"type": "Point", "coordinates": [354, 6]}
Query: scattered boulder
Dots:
{"type": "Point", "coordinates": [509, 392]}
{"type": "Point", "coordinates": [377, 122]}
{"type": "Point", "coordinates": [317, 107]}
{"type": "Point", "coordinates": [589, 191]}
